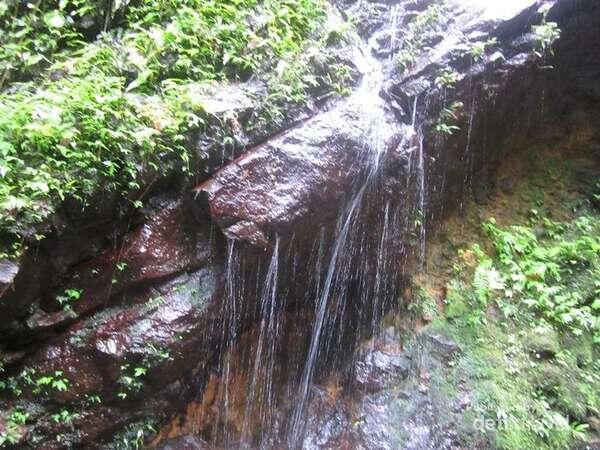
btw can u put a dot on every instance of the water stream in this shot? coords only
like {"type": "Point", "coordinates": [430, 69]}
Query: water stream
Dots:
{"type": "Point", "coordinates": [350, 269]}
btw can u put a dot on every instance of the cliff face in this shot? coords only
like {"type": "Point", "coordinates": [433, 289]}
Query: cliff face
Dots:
{"type": "Point", "coordinates": [215, 311]}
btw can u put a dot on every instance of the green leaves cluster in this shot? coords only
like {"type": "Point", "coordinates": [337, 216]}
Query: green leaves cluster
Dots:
{"type": "Point", "coordinates": [477, 50]}
{"type": "Point", "coordinates": [551, 277]}
{"type": "Point", "coordinates": [556, 278]}
{"type": "Point", "coordinates": [114, 113]}
{"type": "Point", "coordinates": [61, 141]}
{"type": "Point", "coordinates": [544, 36]}
{"type": "Point", "coordinates": [448, 116]}
{"type": "Point", "coordinates": [416, 33]}
{"type": "Point", "coordinates": [217, 39]}
{"type": "Point", "coordinates": [32, 33]}
{"type": "Point", "coordinates": [12, 423]}
{"type": "Point", "coordinates": [27, 380]}
{"type": "Point", "coordinates": [131, 379]}
{"type": "Point", "coordinates": [447, 78]}
{"type": "Point", "coordinates": [527, 313]}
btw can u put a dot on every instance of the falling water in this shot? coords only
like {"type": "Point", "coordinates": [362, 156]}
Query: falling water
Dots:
{"type": "Point", "coordinates": [261, 383]}
{"type": "Point", "coordinates": [380, 294]}
{"type": "Point", "coordinates": [229, 323]}
{"type": "Point", "coordinates": [422, 199]}
{"type": "Point", "coordinates": [393, 29]}
{"type": "Point", "coordinates": [468, 157]}
{"type": "Point", "coordinates": [350, 255]}
{"type": "Point", "coordinates": [370, 106]}
{"type": "Point", "coordinates": [307, 375]}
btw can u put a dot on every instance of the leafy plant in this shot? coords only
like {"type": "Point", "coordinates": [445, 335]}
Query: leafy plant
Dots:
{"type": "Point", "coordinates": [424, 305]}
{"type": "Point", "coordinates": [478, 49]}
{"type": "Point", "coordinates": [415, 35]}
{"type": "Point", "coordinates": [131, 378]}
{"type": "Point", "coordinates": [33, 33]}
{"type": "Point", "coordinates": [545, 35]}
{"type": "Point", "coordinates": [64, 416]}
{"type": "Point", "coordinates": [11, 434]}
{"type": "Point", "coordinates": [16, 384]}
{"type": "Point", "coordinates": [68, 297]}
{"type": "Point", "coordinates": [539, 272]}
{"type": "Point", "coordinates": [448, 115]}
{"type": "Point", "coordinates": [134, 435]}
{"type": "Point", "coordinates": [56, 381]}
{"type": "Point", "coordinates": [536, 290]}
{"type": "Point", "coordinates": [447, 79]}
{"type": "Point", "coordinates": [115, 112]}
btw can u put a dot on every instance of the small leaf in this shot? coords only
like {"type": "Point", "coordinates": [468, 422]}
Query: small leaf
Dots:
{"type": "Point", "coordinates": [54, 19]}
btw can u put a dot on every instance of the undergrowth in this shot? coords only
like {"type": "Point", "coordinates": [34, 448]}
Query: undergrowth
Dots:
{"type": "Point", "coordinates": [517, 279]}
{"type": "Point", "coordinates": [527, 315]}
{"type": "Point", "coordinates": [111, 110]}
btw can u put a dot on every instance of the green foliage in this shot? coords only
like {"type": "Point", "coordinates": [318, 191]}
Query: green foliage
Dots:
{"type": "Point", "coordinates": [59, 141]}
{"type": "Point", "coordinates": [552, 277]}
{"type": "Point", "coordinates": [130, 380]}
{"type": "Point", "coordinates": [448, 115]}
{"type": "Point", "coordinates": [32, 33]}
{"type": "Point", "coordinates": [477, 50]}
{"type": "Point", "coordinates": [27, 380]}
{"type": "Point", "coordinates": [11, 434]}
{"type": "Point", "coordinates": [447, 79]}
{"type": "Point", "coordinates": [16, 384]}
{"type": "Point", "coordinates": [545, 35]}
{"type": "Point", "coordinates": [64, 416]}
{"type": "Point", "coordinates": [415, 35]}
{"type": "Point", "coordinates": [203, 40]}
{"type": "Point", "coordinates": [115, 112]}
{"type": "Point", "coordinates": [134, 435]}
{"type": "Point", "coordinates": [68, 297]}
{"type": "Point", "coordinates": [132, 376]}
{"type": "Point", "coordinates": [424, 306]}
{"type": "Point", "coordinates": [56, 381]}
{"type": "Point", "coordinates": [527, 316]}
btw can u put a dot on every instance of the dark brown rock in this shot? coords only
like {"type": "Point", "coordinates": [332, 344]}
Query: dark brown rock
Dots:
{"type": "Point", "coordinates": [298, 179]}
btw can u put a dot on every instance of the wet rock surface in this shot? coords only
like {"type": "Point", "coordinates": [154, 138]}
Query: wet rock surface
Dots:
{"type": "Point", "coordinates": [401, 406]}
{"type": "Point", "coordinates": [8, 272]}
{"type": "Point", "coordinates": [145, 325]}
{"type": "Point", "coordinates": [296, 180]}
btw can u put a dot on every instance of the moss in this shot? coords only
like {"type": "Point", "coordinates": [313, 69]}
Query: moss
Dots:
{"type": "Point", "coordinates": [543, 342]}
{"type": "Point", "coordinates": [522, 302]}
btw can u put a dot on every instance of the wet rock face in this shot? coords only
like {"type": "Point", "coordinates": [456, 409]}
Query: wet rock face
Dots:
{"type": "Point", "coordinates": [169, 243]}
{"type": "Point", "coordinates": [298, 179]}
{"type": "Point", "coordinates": [395, 402]}
{"type": "Point", "coordinates": [99, 357]}
{"type": "Point", "coordinates": [154, 323]}
{"type": "Point", "coordinates": [8, 272]}
{"type": "Point", "coordinates": [185, 443]}
{"type": "Point", "coordinates": [122, 348]}
{"type": "Point", "coordinates": [497, 98]}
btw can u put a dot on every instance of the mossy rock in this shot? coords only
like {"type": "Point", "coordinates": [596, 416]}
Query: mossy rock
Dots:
{"type": "Point", "coordinates": [543, 342]}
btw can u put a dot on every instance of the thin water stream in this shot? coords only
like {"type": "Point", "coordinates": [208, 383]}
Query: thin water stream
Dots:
{"type": "Point", "coordinates": [351, 268]}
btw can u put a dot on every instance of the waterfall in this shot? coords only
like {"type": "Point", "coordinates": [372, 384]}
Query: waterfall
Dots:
{"type": "Point", "coordinates": [261, 383]}
{"type": "Point", "coordinates": [307, 375]}
{"type": "Point", "coordinates": [371, 108]}
{"type": "Point", "coordinates": [349, 274]}
{"type": "Point", "coordinates": [229, 328]}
